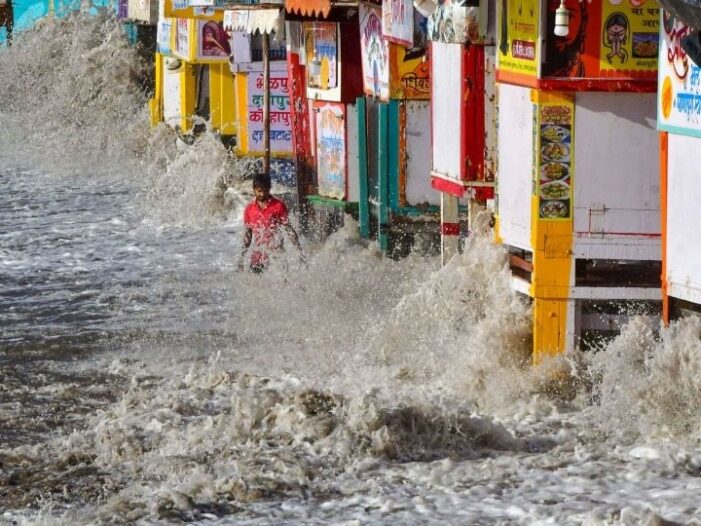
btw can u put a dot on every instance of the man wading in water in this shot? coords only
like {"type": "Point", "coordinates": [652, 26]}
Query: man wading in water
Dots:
{"type": "Point", "coordinates": [263, 220]}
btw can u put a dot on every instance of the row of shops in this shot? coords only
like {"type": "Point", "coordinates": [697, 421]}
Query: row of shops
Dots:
{"type": "Point", "coordinates": [576, 123]}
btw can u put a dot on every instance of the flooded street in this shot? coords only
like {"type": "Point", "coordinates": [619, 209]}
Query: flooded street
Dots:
{"type": "Point", "coordinates": [143, 380]}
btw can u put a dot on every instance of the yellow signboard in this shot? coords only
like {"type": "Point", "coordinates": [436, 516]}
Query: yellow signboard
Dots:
{"type": "Point", "coordinates": [629, 36]}
{"type": "Point", "coordinates": [410, 74]}
{"type": "Point", "coordinates": [518, 37]}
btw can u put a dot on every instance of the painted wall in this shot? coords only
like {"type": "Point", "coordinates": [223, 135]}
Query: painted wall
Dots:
{"type": "Point", "coordinates": [514, 173]}
{"type": "Point", "coordinates": [617, 192]}
{"type": "Point", "coordinates": [684, 218]}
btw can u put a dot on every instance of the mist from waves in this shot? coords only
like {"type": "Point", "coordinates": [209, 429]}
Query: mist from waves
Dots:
{"type": "Point", "coordinates": [308, 393]}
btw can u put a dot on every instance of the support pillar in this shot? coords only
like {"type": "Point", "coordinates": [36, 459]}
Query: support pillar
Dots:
{"type": "Point", "coordinates": [450, 227]}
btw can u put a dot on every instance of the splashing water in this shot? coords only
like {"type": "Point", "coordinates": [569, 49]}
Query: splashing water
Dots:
{"type": "Point", "coordinates": [145, 381]}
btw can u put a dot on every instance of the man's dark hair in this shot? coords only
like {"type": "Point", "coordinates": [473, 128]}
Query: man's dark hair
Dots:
{"type": "Point", "coordinates": [262, 180]}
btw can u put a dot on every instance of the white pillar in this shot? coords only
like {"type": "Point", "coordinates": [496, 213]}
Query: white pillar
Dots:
{"type": "Point", "coordinates": [450, 227]}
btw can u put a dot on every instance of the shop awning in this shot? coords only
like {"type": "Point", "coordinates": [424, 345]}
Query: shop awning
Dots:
{"type": "Point", "coordinates": [265, 21]}
{"type": "Point", "coordinates": [312, 8]}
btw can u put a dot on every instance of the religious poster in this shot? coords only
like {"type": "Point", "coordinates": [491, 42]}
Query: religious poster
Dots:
{"type": "Point", "coordinates": [398, 21]}
{"type": "Point", "coordinates": [321, 54]}
{"type": "Point", "coordinates": [375, 53]}
{"type": "Point", "coordinates": [330, 149]}
{"type": "Point", "coordinates": [554, 156]}
{"type": "Point", "coordinates": [679, 89]}
{"type": "Point", "coordinates": [280, 117]}
{"type": "Point", "coordinates": [410, 69]}
{"type": "Point", "coordinates": [212, 42]}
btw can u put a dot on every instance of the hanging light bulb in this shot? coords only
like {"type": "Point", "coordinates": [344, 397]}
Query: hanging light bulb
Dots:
{"type": "Point", "coordinates": [562, 20]}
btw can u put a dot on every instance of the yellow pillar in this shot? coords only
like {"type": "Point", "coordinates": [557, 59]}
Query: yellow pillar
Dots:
{"type": "Point", "coordinates": [188, 95]}
{"type": "Point", "coordinates": [241, 112]}
{"type": "Point", "coordinates": [156, 103]}
{"type": "Point", "coordinates": [222, 99]}
{"type": "Point", "coordinates": [552, 242]}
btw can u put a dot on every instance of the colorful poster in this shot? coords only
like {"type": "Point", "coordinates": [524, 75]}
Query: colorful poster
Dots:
{"type": "Point", "coordinates": [398, 21]}
{"type": "Point", "coordinates": [679, 89]}
{"type": "Point", "coordinates": [330, 149]}
{"type": "Point", "coordinates": [606, 39]}
{"type": "Point", "coordinates": [182, 37]}
{"type": "Point", "coordinates": [517, 37]}
{"type": "Point", "coordinates": [321, 54]}
{"type": "Point", "coordinates": [375, 53]}
{"type": "Point", "coordinates": [212, 42]}
{"type": "Point", "coordinates": [410, 69]}
{"type": "Point", "coordinates": [280, 118]}
{"type": "Point", "coordinates": [554, 155]}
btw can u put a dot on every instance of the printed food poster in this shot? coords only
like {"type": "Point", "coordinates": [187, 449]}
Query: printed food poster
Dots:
{"type": "Point", "coordinates": [606, 39]}
{"type": "Point", "coordinates": [330, 149]}
{"type": "Point", "coordinates": [280, 116]}
{"type": "Point", "coordinates": [375, 53]}
{"type": "Point", "coordinates": [517, 36]}
{"type": "Point", "coordinates": [679, 89]}
{"type": "Point", "coordinates": [398, 21]}
{"type": "Point", "coordinates": [321, 53]}
{"type": "Point", "coordinates": [554, 155]}
{"type": "Point", "coordinates": [410, 68]}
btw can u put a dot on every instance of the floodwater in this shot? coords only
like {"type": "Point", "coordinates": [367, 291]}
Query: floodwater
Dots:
{"type": "Point", "coordinates": [144, 380]}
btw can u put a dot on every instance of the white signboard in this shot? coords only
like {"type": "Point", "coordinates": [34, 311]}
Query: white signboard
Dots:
{"type": "Point", "coordinates": [280, 117]}
{"type": "Point", "coordinates": [679, 88]}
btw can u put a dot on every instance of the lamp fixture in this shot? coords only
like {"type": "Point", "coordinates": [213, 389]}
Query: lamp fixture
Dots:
{"type": "Point", "coordinates": [562, 20]}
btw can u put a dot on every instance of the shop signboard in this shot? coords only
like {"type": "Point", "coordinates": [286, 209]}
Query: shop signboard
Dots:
{"type": "Point", "coordinates": [398, 21]}
{"type": "Point", "coordinates": [410, 69]}
{"type": "Point", "coordinates": [374, 50]}
{"type": "Point", "coordinates": [321, 54]}
{"type": "Point", "coordinates": [200, 40]}
{"type": "Point", "coordinates": [608, 41]}
{"type": "Point", "coordinates": [280, 116]}
{"type": "Point", "coordinates": [330, 149]}
{"type": "Point", "coordinates": [679, 95]}
{"type": "Point", "coordinates": [554, 156]}
{"type": "Point", "coordinates": [517, 38]}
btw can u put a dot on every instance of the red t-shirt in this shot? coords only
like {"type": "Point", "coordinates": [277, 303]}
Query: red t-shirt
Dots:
{"type": "Point", "coordinates": [265, 224]}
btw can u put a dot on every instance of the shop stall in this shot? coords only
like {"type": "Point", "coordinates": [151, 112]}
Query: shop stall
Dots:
{"type": "Point", "coordinates": [679, 119]}
{"type": "Point", "coordinates": [397, 203]}
{"type": "Point", "coordinates": [578, 186]}
{"type": "Point", "coordinates": [462, 113]}
{"type": "Point", "coordinates": [323, 66]}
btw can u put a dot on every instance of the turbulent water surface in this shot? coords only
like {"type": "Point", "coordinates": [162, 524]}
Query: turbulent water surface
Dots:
{"type": "Point", "coordinates": [144, 380]}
